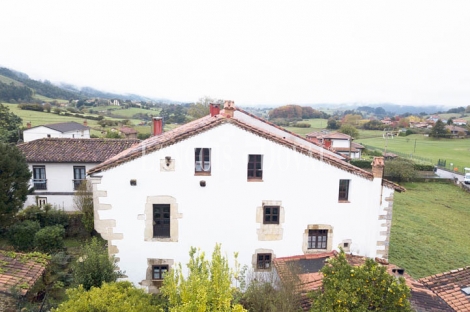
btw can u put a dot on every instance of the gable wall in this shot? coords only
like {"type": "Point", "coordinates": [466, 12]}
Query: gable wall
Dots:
{"type": "Point", "coordinates": [43, 132]}
{"type": "Point", "coordinates": [227, 209]}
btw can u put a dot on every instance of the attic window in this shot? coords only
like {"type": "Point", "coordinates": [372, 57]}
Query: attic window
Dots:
{"type": "Point", "coordinates": [466, 290]}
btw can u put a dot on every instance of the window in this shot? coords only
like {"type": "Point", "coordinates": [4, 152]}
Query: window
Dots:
{"type": "Point", "coordinates": [79, 175]}
{"type": "Point", "coordinates": [42, 201]}
{"type": "Point", "coordinates": [264, 261]}
{"type": "Point", "coordinates": [158, 271]}
{"type": "Point", "coordinates": [202, 158]}
{"type": "Point", "coordinates": [343, 190]}
{"type": "Point", "coordinates": [317, 239]}
{"type": "Point", "coordinates": [161, 220]}
{"type": "Point", "coordinates": [39, 177]}
{"type": "Point", "coordinates": [255, 167]}
{"type": "Point", "coordinates": [271, 214]}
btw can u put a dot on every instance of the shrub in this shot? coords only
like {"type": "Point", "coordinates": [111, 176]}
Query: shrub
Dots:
{"type": "Point", "coordinates": [21, 234]}
{"type": "Point", "coordinates": [421, 167]}
{"type": "Point", "coordinates": [46, 215]}
{"type": "Point", "coordinates": [362, 163]}
{"type": "Point", "coordinates": [301, 125]}
{"type": "Point", "coordinates": [50, 238]}
{"type": "Point", "coordinates": [94, 266]}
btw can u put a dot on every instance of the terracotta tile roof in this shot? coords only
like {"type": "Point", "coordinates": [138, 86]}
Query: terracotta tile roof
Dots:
{"type": "Point", "coordinates": [209, 122]}
{"type": "Point", "coordinates": [66, 150]}
{"type": "Point", "coordinates": [127, 130]}
{"type": "Point", "coordinates": [19, 270]}
{"type": "Point", "coordinates": [422, 299]}
{"type": "Point", "coordinates": [449, 286]}
{"type": "Point", "coordinates": [64, 126]}
{"type": "Point", "coordinates": [334, 135]}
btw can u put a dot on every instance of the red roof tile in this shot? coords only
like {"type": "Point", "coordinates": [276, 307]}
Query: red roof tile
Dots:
{"type": "Point", "coordinates": [19, 271]}
{"type": "Point", "coordinates": [66, 150]}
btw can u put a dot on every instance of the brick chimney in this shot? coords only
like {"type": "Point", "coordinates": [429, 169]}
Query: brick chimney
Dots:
{"type": "Point", "coordinates": [214, 109]}
{"type": "Point", "coordinates": [229, 108]}
{"type": "Point", "coordinates": [378, 167]}
{"type": "Point", "coordinates": [28, 125]}
{"type": "Point", "coordinates": [85, 123]}
{"type": "Point", "coordinates": [157, 126]}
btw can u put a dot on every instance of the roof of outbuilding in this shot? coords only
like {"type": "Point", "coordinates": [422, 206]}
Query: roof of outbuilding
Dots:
{"type": "Point", "coordinates": [66, 150]}
{"type": "Point", "coordinates": [449, 287]}
{"type": "Point", "coordinates": [64, 126]}
{"type": "Point", "coordinates": [422, 299]}
{"type": "Point", "coordinates": [209, 122]}
{"type": "Point", "coordinates": [20, 271]}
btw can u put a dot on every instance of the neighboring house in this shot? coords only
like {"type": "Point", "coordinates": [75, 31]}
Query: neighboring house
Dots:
{"type": "Point", "coordinates": [459, 122]}
{"type": "Point", "coordinates": [72, 130]}
{"type": "Point", "coordinates": [457, 131]}
{"type": "Point", "coordinates": [235, 179]}
{"type": "Point", "coordinates": [128, 132]}
{"type": "Point", "coordinates": [18, 274]}
{"type": "Point", "coordinates": [307, 276]}
{"type": "Point", "coordinates": [338, 142]}
{"type": "Point", "coordinates": [114, 102]}
{"type": "Point", "coordinates": [59, 165]}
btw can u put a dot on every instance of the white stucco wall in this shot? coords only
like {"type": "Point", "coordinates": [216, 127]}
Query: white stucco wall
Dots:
{"type": "Point", "coordinates": [44, 132]}
{"type": "Point", "coordinates": [339, 143]}
{"type": "Point", "coordinates": [59, 190]}
{"type": "Point", "coordinates": [224, 211]}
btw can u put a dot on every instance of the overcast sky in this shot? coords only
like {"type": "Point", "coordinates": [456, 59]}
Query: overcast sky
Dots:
{"type": "Point", "coordinates": [251, 52]}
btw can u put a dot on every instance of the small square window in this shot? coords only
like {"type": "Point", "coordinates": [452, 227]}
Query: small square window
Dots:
{"type": "Point", "coordinates": [42, 201]}
{"type": "Point", "coordinates": [317, 239]}
{"type": "Point", "coordinates": [202, 160]}
{"type": "Point", "coordinates": [255, 167]}
{"type": "Point", "coordinates": [343, 190]}
{"type": "Point", "coordinates": [159, 271]}
{"type": "Point", "coordinates": [271, 214]}
{"type": "Point", "coordinates": [263, 261]}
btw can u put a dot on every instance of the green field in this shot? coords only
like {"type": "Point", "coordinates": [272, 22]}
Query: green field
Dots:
{"type": "Point", "coordinates": [430, 229]}
{"type": "Point", "coordinates": [126, 112]}
{"type": "Point", "coordinates": [9, 80]}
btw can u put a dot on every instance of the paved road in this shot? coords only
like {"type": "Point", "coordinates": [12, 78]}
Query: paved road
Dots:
{"type": "Point", "coordinates": [449, 175]}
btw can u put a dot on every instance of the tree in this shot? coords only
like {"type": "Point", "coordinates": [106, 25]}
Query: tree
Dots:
{"type": "Point", "coordinates": [94, 266]}
{"type": "Point", "coordinates": [349, 130]}
{"type": "Point", "coordinates": [9, 125]}
{"type": "Point", "coordinates": [206, 288]}
{"type": "Point", "coordinates": [14, 177]}
{"type": "Point", "coordinates": [201, 107]}
{"type": "Point", "coordinates": [110, 297]}
{"type": "Point", "coordinates": [333, 124]}
{"type": "Point", "coordinates": [83, 202]}
{"type": "Point", "coordinates": [450, 122]}
{"type": "Point", "coordinates": [352, 119]}
{"type": "Point", "coordinates": [438, 130]}
{"type": "Point", "coordinates": [359, 288]}
{"type": "Point", "coordinates": [399, 169]}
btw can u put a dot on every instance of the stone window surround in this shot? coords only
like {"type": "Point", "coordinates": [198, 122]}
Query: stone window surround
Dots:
{"type": "Point", "coordinates": [254, 259]}
{"type": "Point", "coordinates": [154, 285]}
{"type": "Point", "coordinates": [174, 216]}
{"type": "Point", "coordinates": [270, 232]}
{"type": "Point", "coordinates": [329, 243]}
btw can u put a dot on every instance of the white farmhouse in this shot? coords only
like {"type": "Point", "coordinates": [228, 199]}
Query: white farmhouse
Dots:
{"type": "Point", "coordinates": [338, 142]}
{"type": "Point", "coordinates": [72, 130]}
{"type": "Point", "coordinates": [59, 166]}
{"type": "Point", "coordinates": [235, 179]}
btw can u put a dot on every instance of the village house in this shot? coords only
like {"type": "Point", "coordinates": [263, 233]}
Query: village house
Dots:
{"type": "Point", "coordinates": [338, 142]}
{"type": "Point", "coordinates": [128, 132]}
{"type": "Point", "coordinates": [235, 179]}
{"type": "Point", "coordinates": [456, 131]}
{"type": "Point", "coordinates": [59, 166]}
{"type": "Point", "coordinates": [71, 129]}
{"type": "Point", "coordinates": [459, 122]}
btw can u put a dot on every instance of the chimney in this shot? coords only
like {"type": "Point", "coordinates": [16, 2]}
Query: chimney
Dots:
{"type": "Point", "coordinates": [214, 109]}
{"type": "Point", "coordinates": [229, 108]}
{"type": "Point", "coordinates": [157, 126]}
{"type": "Point", "coordinates": [378, 167]}
{"type": "Point", "coordinates": [28, 125]}
{"type": "Point", "coordinates": [85, 123]}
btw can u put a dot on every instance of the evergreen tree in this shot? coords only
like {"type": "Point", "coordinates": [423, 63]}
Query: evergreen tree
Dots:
{"type": "Point", "coordinates": [439, 129]}
{"type": "Point", "coordinates": [9, 125]}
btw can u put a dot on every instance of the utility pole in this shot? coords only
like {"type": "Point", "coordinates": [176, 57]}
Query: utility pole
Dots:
{"type": "Point", "coordinates": [414, 151]}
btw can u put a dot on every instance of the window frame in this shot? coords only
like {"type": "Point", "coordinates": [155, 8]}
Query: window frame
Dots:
{"type": "Point", "coordinates": [252, 173]}
{"type": "Point", "coordinates": [78, 181]}
{"type": "Point", "coordinates": [163, 230]}
{"type": "Point", "coordinates": [318, 243]}
{"type": "Point", "coordinates": [271, 214]}
{"type": "Point", "coordinates": [161, 272]}
{"type": "Point", "coordinates": [263, 259]}
{"type": "Point", "coordinates": [204, 153]}
{"type": "Point", "coordinates": [343, 191]}
{"type": "Point", "coordinates": [40, 181]}
{"type": "Point", "coordinates": [41, 201]}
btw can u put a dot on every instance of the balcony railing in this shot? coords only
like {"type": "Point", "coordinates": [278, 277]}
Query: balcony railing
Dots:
{"type": "Point", "coordinates": [40, 184]}
{"type": "Point", "coordinates": [77, 183]}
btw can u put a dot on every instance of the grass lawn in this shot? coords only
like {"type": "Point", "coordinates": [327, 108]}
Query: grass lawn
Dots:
{"type": "Point", "coordinates": [430, 229]}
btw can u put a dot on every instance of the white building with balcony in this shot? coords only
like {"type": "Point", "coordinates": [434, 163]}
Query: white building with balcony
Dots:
{"type": "Point", "coordinates": [72, 130]}
{"type": "Point", "coordinates": [59, 166]}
